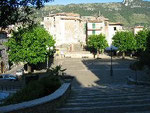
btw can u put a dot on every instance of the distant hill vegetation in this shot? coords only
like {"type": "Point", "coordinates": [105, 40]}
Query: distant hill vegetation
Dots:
{"type": "Point", "coordinates": [128, 12]}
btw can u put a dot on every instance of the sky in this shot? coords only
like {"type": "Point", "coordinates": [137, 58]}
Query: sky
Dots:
{"type": "Point", "coordinates": [64, 2]}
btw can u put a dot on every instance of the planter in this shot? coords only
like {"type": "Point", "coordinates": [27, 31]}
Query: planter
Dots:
{"type": "Point", "coordinates": [41, 105]}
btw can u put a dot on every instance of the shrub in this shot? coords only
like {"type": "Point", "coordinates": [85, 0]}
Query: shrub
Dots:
{"type": "Point", "coordinates": [35, 89]}
{"type": "Point", "coordinates": [56, 71]}
{"type": "Point", "coordinates": [50, 84]}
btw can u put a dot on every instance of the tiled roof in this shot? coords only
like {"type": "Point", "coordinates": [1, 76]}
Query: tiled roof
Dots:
{"type": "Point", "coordinates": [139, 26]}
{"type": "Point", "coordinates": [116, 24]}
{"type": "Point", "coordinates": [65, 14]}
{"type": "Point", "coordinates": [69, 18]}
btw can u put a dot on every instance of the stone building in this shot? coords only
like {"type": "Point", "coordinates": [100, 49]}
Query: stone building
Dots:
{"type": "Point", "coordinates": [66, 28]}
{"type": "Point", "coordinates": [70, 30]}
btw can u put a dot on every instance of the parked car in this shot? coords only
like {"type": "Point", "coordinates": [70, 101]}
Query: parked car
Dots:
{"type": "Point", "coordinates": [9, 77]}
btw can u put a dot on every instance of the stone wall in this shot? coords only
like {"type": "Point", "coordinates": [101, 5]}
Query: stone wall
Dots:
{"type": "Point", "coordinates": [42, 105]}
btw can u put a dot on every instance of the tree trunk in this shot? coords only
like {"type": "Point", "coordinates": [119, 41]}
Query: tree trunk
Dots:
{"type": "Point", "coordinates": [94, 54]}
{"type": "Point", "coordinates": [102, 51]}
{"type": "Point", "coordinates": [131, 55]}
{"type": "Point", "coordinates": [29, 68]}
{"type": "Point", "coordinates": [123, 55]}
{"type": "Point", "coordinates": [97, 53]}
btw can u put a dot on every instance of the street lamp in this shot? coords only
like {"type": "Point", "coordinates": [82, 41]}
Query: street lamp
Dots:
{"type": "Point", "coordinates": [111, 69]}
{"type": "Point", "coordinates": [111, 48]}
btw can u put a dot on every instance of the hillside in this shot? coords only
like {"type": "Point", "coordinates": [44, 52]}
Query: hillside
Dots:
{"type": "Point", "coordinates": [129, 12]}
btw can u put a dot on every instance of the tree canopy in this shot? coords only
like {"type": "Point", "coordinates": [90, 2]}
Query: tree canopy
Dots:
{"type": "Point", "coordinates": [124, 40]}
{"type": "Point", "coordinates": [29, 45]}
{"type": "Point", "coordinates": [18, 11]}
{"type": "Point", "coordinates": [97, 42]}
{"type": "Point", "coordinates": [141, 40]}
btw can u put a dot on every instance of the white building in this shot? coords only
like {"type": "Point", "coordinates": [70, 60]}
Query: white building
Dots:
{"type": "Point", "coordinates": [112, 29]}
{"type": "Point", "coordinates": [101, 25]}
{"type": "Point", "coordinates": [137, 29]}
{"type": "Point", "coordinates": [70, 29]}
{"type": "Point", "coordinates": [66, 28]}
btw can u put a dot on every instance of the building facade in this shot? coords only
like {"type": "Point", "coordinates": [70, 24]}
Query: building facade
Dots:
{"type": "Point", "coordinates": [112, 29]}
{"type": "Point", "coordinates": [136, 29]}
{"type": "Point", "coordinates": [70, 29]}
{"type": "Point", "coordinates": [102, 25]}
{"type": "Point", "coordinates": [66, 28]}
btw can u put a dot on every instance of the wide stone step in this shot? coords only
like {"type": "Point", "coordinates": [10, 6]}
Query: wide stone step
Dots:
{"type": "Point", "coordinates": [133, 87]}
{"type": "Point", "coordinates": [107, 103]}
{"type": "Point", "coordinates": [100, 99]}
{"type": "Point", "coordinates": [111, 91]}
{"type": "Point", "coordinates": [107, 109]}
{"type": "Point", "coordinates": [79, 55]}
{"type": "Point", "coordinates": [139, 112]}
{"type": "Point", "coordinates": [98, 95]}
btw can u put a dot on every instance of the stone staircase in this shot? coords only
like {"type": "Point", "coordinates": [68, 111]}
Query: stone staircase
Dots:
{"type": "Point", "coordinates": [108, 99]}
{"type": "Point", "coordinates": [79, 54]}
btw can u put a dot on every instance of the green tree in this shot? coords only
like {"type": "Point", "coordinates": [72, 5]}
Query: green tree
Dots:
{"type": "Point", "coordinates": [141, 39]}
{"type": "Point", "coordinates": [145, 55]}
{"type": "Point", "coordinates": [125, 41]}
{"type": "Point", "coordinates": [97, 42]}
{"type": "Point", "coordinates": [18, 11]}
{"type": "Point", "coordinates": [29, 45]}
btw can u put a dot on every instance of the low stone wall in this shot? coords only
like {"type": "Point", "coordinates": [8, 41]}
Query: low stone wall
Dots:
{"type": "Point", "coordinates": [42, 105]}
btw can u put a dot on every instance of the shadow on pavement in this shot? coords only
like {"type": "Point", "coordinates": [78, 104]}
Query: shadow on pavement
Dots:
{"type": "Point", "coordinates": [101, 68]}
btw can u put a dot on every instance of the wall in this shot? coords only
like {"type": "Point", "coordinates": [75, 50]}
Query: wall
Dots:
{"type": "Point", "coordinates": [136, 30]}
{"type": "Point", "coordinates": [42, 105]}
{"type": "Point", "coordinates": [65, 29]}
{"type": "Point", "coordinates": [111, 32]}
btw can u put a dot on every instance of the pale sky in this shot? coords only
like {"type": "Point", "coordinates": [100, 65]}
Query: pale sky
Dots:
{"type": "Point", "coordinates": [64, 2]}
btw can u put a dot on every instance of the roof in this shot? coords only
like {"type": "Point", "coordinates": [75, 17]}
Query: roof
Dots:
{"type": "Point", "coordinates": [70, 18]}
{"type": "Point", "coordinates": [102, 18]}
{"type": "Point", "coordinates": [95, 21]}
{"type": "Point", "coordinates": [139, 27]}
{"type": "Point", "coordinates": [116, 24]}
{"type": "Point", "coordinates": [66, 14]}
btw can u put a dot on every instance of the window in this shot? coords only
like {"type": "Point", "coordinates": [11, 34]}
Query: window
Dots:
{"type": "Point", "coordinates": [93, 25]}
{"type": "Point", "coordinates": [106, 24]}
{"type": "Point", "coordinates": [93, 32]}
{"type": "Point", "coordinates": [115, 28]}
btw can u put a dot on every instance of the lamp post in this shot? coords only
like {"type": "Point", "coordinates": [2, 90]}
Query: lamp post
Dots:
{"type": "Point", "coordinates": [111, 48]}
{"type": "Point", "coordinates": [111, 68]}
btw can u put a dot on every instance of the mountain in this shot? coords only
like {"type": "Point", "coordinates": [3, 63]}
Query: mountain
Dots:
{"type": "Point", "coordinates": [128, 12]}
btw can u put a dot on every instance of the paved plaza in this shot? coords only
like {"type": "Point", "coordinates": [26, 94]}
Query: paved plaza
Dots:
{"type": "Point", "coordinates": [94, 72]}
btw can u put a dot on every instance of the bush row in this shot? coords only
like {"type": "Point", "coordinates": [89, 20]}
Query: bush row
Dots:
{"type": "Point", "coordinates": [35, 89]}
